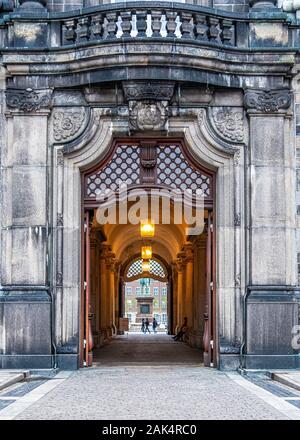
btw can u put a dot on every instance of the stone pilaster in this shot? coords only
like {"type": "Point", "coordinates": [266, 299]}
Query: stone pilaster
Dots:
{"type": "Point", "coordinates": [272, 225]}
{"type": "Point", "coordinates": [25, 236]}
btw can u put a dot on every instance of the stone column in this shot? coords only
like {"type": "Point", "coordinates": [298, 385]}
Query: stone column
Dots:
{"type": "Point", "coordinates": [174, 296]}
{"type": "Point", "coordinates": [180, 295]}
{"type": "Point", "coordinates": [25, 229]}
{"type": "Point", "coordinates": [272, 225]}
{"type": "Point", "coordinates": [188, 283]}
{"type": "Point", "coordinates": [103, 291]}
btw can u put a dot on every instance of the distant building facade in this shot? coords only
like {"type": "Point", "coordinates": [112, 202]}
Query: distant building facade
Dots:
{"type": "Point", "coordinates": [148, 300]}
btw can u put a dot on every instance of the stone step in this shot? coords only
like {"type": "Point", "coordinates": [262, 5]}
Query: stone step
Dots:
{"type": "Point", "coordinates": [291, 378]}
{"type": "Point", "coordinates": [8, 378]}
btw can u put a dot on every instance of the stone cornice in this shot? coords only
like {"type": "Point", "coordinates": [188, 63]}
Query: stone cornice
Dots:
{"type": "Point", "coordinates": [149, 60]}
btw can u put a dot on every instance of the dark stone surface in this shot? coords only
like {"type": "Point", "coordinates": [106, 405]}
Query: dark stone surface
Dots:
{"type": "Point", "coordinates": [26, 361]}
{"type": "Point", "coordinates": [271, 361]}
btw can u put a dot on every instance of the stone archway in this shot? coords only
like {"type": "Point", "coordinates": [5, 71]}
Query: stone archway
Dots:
{"type": "Point", "coordinates": [209, 144]}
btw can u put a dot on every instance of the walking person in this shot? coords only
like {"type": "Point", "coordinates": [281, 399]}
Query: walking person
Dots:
{"type": "Point", "coordinates": [143, 325]}
{"type": "Point", "coordinates": [147, 323]}
{"type": "Point", "coordinates": [154, 325]}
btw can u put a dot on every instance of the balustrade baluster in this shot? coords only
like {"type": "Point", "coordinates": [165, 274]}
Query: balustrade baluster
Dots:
{"type": "Point", "coordinates": [213, 31]}
{"type": "Point", "coordinates": [83, 29]}
{"type": "Point", "coordinates": [111, 25]}
{"type": "Point", "coordinates": [201, 27]}
{"type": "Point", "coordinates": [126, 24]}
{"type": "Point", "coordinates": [171, 23]}
{"type": "Point", "coordinates": [69, 31]}
{"type": "Point", "coordinates": [156, 23]}
{"type": "Point", "coordinates": [186, 27]}
{"type": "Point", "coordinates": [226, 32]}
{"type": "Point", "coordinates": [97, 26]}
{"type": "Point", "coordinates": [141, 23]}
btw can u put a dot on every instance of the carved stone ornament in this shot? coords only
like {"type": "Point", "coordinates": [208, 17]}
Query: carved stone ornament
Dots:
{"type": "Point", "coordinates": [28, 100]}
{"type": "Point", "coordinates": [67, 123]}
{"type": "Point", "coordinates": [148, 115]}
{"type": "Point", "coordinates": [229, 123]}
{"type": "Point", "coordinates": [143, 90]}
{"type": "Point", "coordinates": [267, 101]}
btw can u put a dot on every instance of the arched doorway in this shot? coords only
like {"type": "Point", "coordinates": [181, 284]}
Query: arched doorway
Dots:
{"type": "Point", "coordinates": [154, 168]}
{"type": "Point", "coordinates": [146, 296]}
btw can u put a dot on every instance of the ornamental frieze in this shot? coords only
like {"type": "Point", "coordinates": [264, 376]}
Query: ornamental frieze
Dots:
{"type": "Point", "coordinates": [268, 101]}
{"type": "Point", "coordinates": [28, 100]}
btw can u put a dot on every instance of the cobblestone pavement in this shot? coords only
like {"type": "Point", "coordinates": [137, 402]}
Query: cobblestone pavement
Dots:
{"type": "Point", "coordinates": [171, 391]}
{"type": "Point", "coordinates": [150, 393]}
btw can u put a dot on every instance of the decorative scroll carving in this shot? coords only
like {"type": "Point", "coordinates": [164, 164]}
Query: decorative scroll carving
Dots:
{"type": "Point", "coordinates": [67, 123]}
{"type": "Point", "coordinates": [229, 123]}
{"type": "Point", "coordinates": [267, 101]}
{"type": "Point", "coordinates": [28, 100]}
{"type": "Point", "coordinates": [148, 115]}
{"type": "Point", "coordinates": [157, 91]}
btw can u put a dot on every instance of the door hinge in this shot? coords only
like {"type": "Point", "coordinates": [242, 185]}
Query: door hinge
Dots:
{"type": "Point", "coordinates": [84, 343]}
{"type": "Point", "coordinates": [85, 227]}
{"type": "Point", "coordinates": [212, 227]}
{"type": "Point", "coordinates": [211, 285]}
{"type": "Point", "coordinates": [212, 343]}
{"type": "Point", "coordinates": [84, 364]}
{"type": "Point", "coordinates": [84, 285]}
{"type": "Point", "coordinates": [211, 364]}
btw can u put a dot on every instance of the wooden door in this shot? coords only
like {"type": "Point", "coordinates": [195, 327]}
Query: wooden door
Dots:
{"type": "Point", "coordinates": [87, 327]}
{"type": "Point", "coordinates": [209, 329]}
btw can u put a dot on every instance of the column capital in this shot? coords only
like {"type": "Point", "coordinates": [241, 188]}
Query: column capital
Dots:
{"type": "Point", "coordinates": [28, 100]}
{"type": "Point", "coordinates": [267, 101]}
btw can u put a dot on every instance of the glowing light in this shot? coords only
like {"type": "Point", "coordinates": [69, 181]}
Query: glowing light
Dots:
{"type": "Point", "coordinates": [147, 229]}
{"type": "Point", "coordinates": [146, 252]}
{"type": "Point", "coordinates": [146, 266]}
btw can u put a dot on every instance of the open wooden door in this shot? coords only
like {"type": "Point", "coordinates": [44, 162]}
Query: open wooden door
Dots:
{"type": "Point", "coordinates": [209, 329]}
{"type": "Point", "coordinates": [87, 327]}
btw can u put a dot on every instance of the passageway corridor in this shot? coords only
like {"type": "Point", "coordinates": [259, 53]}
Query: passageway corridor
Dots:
{"type": "Point", "coordinates": [139, 376]}
{"type": "Point", "coordinates": [146, 349]}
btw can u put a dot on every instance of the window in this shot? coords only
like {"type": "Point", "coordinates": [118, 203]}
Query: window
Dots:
{"type": "Point", "coordinates": [157, 317]}
{"type": "Point", "coordinates": [155, 291]}
{"type": "Point", "coordinates": [163, 305]}
{"type": "Point", "coordinates": [145, 309]}
{"type": "Point", "coordinates": [164, 318]}
{"type": "Point", "coordinates": [164, 291]}
{"type": "Point", "coordinates": [137, 291]}
{"type": "Point", "coordinates": [156, 304]}
{"type": "Point", "coordinates": [147, 290]}
{"type": "Point", "coordinates": [128, 290]}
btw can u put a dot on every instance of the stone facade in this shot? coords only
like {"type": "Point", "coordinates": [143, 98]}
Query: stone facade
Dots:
{"type": "Point", "coordinates": [226, 81]}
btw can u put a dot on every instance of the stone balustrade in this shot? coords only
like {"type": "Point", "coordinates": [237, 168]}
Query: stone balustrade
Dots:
{"type": "Point", "coordinates": [133, 21]}
{"type": "Point", "coordinates": [146, 23]}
